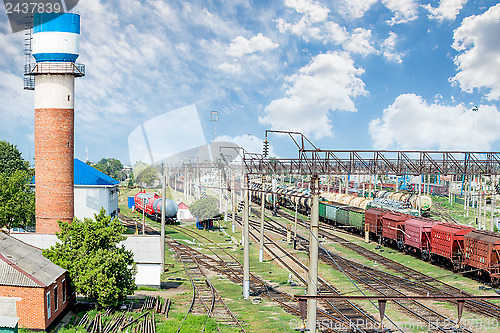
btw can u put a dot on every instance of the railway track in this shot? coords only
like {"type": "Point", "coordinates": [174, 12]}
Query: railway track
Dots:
{"type": "Point", "coordinates": [206, 299]}
{"type": "Point", "coordinates": [342, 313]}
{"type": "Point", "coordinates": [350, 315]}
{"type": "Point", "coordinates": [426, 283]}
{"type": "Point", "coordinates": [383, 284]}
{"type": "Point", "coordinates": [232, 269]}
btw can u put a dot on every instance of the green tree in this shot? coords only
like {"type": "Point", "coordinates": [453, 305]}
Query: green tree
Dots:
{"type": "Point", "coordinates": [112, 167]}
{"type": "Point", "coordinates": [147, 176]}
{"type": "Point", "coordinates": [98, 267]}
{"type": "Point", "coordinates": [10, 158]}
{"type": "Point", "coordinates": [17, 200]}
{"type": "Point", "coordinates": [131, 180]}
{"type": "Point", "coordinates": [205, 208]}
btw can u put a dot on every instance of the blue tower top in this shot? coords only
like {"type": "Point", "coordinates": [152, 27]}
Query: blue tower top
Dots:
{"type": "Point", "coordinates": [56, 37]}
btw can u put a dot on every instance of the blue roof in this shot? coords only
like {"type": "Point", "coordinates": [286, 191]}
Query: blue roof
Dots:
{"type": "Point", "coordinates": [88, 175]}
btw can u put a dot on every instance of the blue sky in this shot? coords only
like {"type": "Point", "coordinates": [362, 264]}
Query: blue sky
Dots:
{"type": "Point", "coordinates": [350, 74]}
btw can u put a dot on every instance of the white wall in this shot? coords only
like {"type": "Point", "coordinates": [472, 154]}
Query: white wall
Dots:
{"type": "Point", "coordinates": [90, 199]}
{"type": "Point", "coordinates": [148, 275]}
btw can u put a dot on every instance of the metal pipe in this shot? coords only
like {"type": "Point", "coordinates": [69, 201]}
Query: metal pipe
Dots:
{"type": "Point", "coordinates": [312, 282]}
{"type": "Point", "coordinates": [246, 244]}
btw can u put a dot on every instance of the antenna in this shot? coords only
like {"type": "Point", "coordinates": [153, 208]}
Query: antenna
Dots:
{"type": "Point", "coordinates": [86, 153]}
{"type": "Point", "coordinates": [214, 117]}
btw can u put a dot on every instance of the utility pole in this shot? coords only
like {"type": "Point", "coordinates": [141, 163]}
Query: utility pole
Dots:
{"type": "Point", "coordinates": [261, 246]}
{"type": "Point", "coordinates": [312, 281]}
{"type": "Point", "coordinates": [143, 214]}
{"type": "Point", "coordinates": [246, 244]}
{"type": "Point", "coordinates": [233, 198]}
{"type": "Point", "coordinates": [163, 194]}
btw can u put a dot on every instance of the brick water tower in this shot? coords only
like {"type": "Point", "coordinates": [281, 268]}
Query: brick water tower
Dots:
{"type": "Point", "coordinates": [54, 44]}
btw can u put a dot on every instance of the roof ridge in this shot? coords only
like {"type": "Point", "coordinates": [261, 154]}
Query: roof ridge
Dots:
{"type": "Point", "coordinates": [14, 266]}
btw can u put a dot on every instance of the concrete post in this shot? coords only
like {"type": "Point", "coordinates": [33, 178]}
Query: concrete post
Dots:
{"type": "Point", "coordinates": [246, 244]}
{"type": "Point", "coordinates": [233, 197]}
{"type": "Point", "coordinates": [420, 195]}
{"type": "Point", "coordinates": [312, 281]}
{"type": "Point", "coordinates": [493, 202]}
{"type": "Point", "coordinates": [261, 243]}
{"type": "Point", "coordinates": [162, 238]}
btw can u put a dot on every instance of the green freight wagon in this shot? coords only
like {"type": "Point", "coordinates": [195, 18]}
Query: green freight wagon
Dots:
{"type": "Point", "coordinates": [322, 210]}
{"type": "Point", "coordinates": [357, 219]}
{"type": "Point", "coordinates": [342, 216]}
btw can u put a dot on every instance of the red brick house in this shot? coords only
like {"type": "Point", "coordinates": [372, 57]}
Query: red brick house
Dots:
{"type": "Point", "coordinates": [39, 287]}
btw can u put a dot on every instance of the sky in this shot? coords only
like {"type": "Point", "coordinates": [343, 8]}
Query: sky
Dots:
{"type": "Point", "coordinates": [348, 74]}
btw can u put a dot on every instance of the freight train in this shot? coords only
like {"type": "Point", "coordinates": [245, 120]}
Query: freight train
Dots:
{"type": "Point", "coordinates": [151, 205]}
{"type": "Point", "coordinates": [463, 248]}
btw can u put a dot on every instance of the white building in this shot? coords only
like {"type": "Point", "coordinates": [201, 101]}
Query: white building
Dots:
{"type": "Point", "coordinates": [183, 212]}
{"type": "Point", "coordinates": [147, 256]}
{"type": "Point", "coordinates": [94, 190]}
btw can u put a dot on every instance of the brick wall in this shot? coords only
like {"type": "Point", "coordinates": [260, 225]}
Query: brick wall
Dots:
{"type": "Point", "coordinates": [32, 303]}
{"type": "Point", "coordinates": [54, 174]}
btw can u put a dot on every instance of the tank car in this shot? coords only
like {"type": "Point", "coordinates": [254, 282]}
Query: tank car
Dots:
{"type": "Point", "coordinates": [151, 205]}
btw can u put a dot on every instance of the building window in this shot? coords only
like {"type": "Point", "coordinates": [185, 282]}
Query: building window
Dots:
{"type": "Point", "coordinates": [64, 290]}
{"type": "Point", "coordinates": [55, 299]}
{"type": "Point", "coordinates": [48, 305]}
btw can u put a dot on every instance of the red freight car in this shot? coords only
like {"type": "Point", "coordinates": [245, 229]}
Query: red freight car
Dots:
{"type": "Point", "coordinates": [373, 218]}
{"type": "Point", "coordinates": [393, 228]}
{"type": "Point", "coordinates": [418, 236]}
{"type": "Point", "coordinates": [482, 251]}
{"type": "Point", "coordinates": [447, 243]}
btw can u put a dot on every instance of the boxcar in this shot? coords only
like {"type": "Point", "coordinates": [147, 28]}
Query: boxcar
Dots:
{"type": "Point", "coordinates": [342, 216]}
{"type": "Point", "coordinates": [392, 228]}
{"type": "Point", "coordinates": [357, 220]}
{"type": "Point", "coordinates": [418, 236]}
{"type": "Point", "coordinates": [322, 210]}
{"type": "Point", "coordinates": [447, 243]}
{"type": "Point", "coordinates": [373, 219]}
{"type": "Point", "coordinates": [482, 252]}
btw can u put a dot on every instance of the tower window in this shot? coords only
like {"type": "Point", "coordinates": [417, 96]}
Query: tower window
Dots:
{"type": "Point", "coordinates": [69, 98]}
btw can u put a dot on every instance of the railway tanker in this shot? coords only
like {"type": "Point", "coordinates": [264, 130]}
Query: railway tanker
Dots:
{"type": "Point", "coordinates": [151, 205]}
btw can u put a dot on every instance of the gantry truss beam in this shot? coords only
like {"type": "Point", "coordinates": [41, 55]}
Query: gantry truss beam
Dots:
{"type": "Point", "coordinates": [377, 162]}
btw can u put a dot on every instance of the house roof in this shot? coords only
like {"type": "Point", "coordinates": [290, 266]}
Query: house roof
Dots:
{"type": "Point", "coordinates": [90, 176]}
{"type": "Point", "coordinates": [182, 205]}
{"type": "Point", "coordinates": [146, 249]}
{"type": "Point", "coordinates": [24, 265]}
{"type": "Point", "coordinates": [10, 322]}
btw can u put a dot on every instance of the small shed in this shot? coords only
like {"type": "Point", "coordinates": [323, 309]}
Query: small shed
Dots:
{"type": "Point", "coordinates": [147, 256]}
{"type": "Point", "coordinates": [183, 212]}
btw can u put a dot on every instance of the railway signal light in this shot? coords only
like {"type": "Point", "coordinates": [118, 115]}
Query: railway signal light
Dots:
{"type": "Point", "coordinates": [266, 148]}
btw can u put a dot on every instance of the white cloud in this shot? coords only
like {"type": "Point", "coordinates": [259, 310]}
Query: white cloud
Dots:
{"type": "Point", "coordinates": [404, 10]}
{"type": "Point", "coordinates": [478, 42]}
{"type": "Point", "coordinates": [249, 142]}
{"type": "Point", "coordinates": [241, 46]}
{"type": "Point", "coordinates": [329, 82]}
{"type": "Point", "coordinates": [411, 123]}
{"type": "Point", "coordinates": [447, 9]}
{"type": "Point", "coordinates": [388, 49]}
{"type": "Point", "coordinates": [314, 11]}
{"type": "Point", "coordinates": [360, 42]}
{"type": "Point", "coordinates": [356, 8]}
